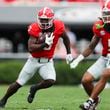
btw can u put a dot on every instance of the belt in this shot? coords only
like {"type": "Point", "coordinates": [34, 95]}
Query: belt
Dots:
{"type": "Point", "coordinates": [107, 55]}
{"type": "Point", "coordinates": [43, 60]}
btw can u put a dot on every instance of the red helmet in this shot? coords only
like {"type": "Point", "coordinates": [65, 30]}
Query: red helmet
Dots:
{"type": "Point", "coordinates": [106, 12]}
{"type": "Point", "coordinates": [45, 18]}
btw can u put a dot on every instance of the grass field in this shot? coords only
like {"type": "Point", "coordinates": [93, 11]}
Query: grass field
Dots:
{"type": "Point", "coordinates": [54, 98]}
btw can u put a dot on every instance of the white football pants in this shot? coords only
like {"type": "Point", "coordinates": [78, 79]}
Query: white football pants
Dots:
{"type": "Point", "coordinates": [45, 69]}
{"type": "Point", "coordinates": [97, 68]}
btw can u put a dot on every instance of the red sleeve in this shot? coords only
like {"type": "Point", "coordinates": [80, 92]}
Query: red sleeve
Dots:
{"type": "Point", "coordinates": [33, 30]}
{"type": "Point", "coordinates": [97, 27]}
{"type": "Point", "coordinates": [59, 26]}
{"type": "Point", "coordinates": [62, 27]}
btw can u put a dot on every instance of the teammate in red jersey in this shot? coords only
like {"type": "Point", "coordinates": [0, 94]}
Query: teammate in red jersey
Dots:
{"type": "Point", "coordinates": [41, 58]}
{"type": "Point", "coordinates": [101, 68]}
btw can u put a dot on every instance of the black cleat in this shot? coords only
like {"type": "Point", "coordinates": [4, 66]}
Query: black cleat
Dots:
{"type": "Point", "coordinates": [31, 94]}
{"type": "Point", "coordinates": [95, 104]}
{"type": "Point", "coordinates": [2, 103]}
{"type": "Point", "coordinates": [82, 107]}
{"type": "Point", "coordinates": [86, 105]}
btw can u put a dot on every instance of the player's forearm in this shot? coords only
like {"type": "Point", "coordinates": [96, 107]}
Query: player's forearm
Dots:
{"type": "Point", "coordinates": [36, 47]}
{"type": "Point", "coordinates": [66, 42]}
{"type": "Point", "coordinates": [67, 45]}
{"type": "Point", "coordinates": [68, 50]}
{"type": "Point", "coordinates": [87, 52]}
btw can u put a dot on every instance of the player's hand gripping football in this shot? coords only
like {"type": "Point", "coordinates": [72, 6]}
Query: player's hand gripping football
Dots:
{"type": "Point", "coordinates": [49, 39]}
{"type": "Point", "coordinates": [75, 62]}
{"type": "Point", "coordinates": [69, 58]}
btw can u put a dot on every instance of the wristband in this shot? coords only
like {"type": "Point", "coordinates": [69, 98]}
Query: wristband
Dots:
{"type": "Point", "coordinates": [80, 58]}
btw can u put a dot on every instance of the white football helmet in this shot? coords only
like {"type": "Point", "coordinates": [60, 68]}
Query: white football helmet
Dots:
{"type": "Point", "coordinates": [45, 18]}
{"type": "Point", "coordinates": [106, 12]}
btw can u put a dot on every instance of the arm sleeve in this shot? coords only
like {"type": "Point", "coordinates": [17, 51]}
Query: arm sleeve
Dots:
{"type": "Point", "coordinates": [97, 29]}
{"type": "Point", "coordinates": [60, 27]}
{"type": "Point", "coordinates": [33, 31]}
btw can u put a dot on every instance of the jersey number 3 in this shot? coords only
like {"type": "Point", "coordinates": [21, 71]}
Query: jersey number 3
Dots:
{"type": "Point", "coordinates": [48, 48]}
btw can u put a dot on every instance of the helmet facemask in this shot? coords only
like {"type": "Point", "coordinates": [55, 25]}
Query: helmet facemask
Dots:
{"type": "Point", "coordinates": [45, 23]}
{"type": "Point", "coordinates": [106, 16]}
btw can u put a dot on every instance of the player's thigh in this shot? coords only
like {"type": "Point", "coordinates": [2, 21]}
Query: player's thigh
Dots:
{"type": "Point", "coordinates": [27, 71]}
{"type": "Point", "coordinates": [47, 71]}
{"type": "Point", "coordinates": [97, 68]}
{"type": "Point", "coordinates": [106, 73]}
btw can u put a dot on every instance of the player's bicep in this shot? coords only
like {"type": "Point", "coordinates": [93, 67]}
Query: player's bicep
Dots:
{"type": "Point", "coordinates": [31, 40]}
{"type": "Point", "coordinates": [65, 38]}
{"type": "Point", "coordinates": [31, 43]}
{"type": "Point", "coordinates": [64, 35]}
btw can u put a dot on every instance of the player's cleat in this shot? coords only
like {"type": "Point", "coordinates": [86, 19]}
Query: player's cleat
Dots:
{"type": "Point", "coordinates": [2, 103]}
{"type": "Point", "coordinates": [86, 105]}
{"type": "Point", "coordinates": [95, 104]}
{"type": "Point", "coordinates": [31, 94]}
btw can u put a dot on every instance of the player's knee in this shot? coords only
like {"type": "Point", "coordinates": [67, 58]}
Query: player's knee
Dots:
{"type": "Point", "coordinates": [106, 74]}
{"type": "Point", "coordinates": [50, 82]}
{"type": "Point", "coordinates": [14, 87]}
{"type": "Point", "coordinates": [87, 79]}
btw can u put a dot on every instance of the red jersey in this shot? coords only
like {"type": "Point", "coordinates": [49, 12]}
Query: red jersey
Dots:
{"type": "Point", "coordinates": [99, 31]}
{"type": "Point", "coordinates": [47, 52]}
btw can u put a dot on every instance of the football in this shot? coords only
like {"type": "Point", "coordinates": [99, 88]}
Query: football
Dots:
{"type": "Point", "coordinates": [41, 38]}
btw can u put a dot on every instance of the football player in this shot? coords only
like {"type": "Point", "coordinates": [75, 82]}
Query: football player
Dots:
{"type": "Point", "coordinates": [101, 68]}
{"type": "Point", "coordinates": [41, 58]}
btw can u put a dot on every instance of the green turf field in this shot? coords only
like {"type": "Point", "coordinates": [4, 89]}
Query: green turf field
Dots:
{"type": "Point", "coordinates": [54, 98]}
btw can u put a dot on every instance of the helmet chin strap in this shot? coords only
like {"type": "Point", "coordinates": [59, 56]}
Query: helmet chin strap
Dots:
{"type": "Point", "coordinates": [49, 30]}
{"type": "Point", "coordinates": [107, 27]}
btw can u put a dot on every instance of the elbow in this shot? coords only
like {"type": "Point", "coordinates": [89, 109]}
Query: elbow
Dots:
{"type": "Point", "coordinates": [30, 49]}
